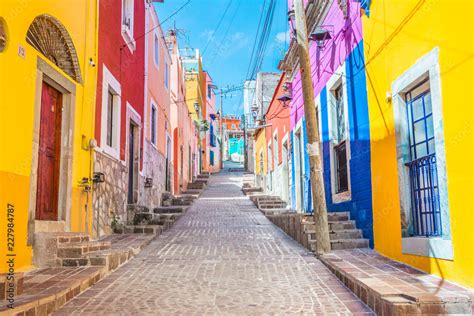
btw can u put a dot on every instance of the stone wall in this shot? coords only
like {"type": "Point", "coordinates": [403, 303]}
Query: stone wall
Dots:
{"type": "Point", "coordinates": [291, 224]}
{"type": "Point", "coordinates": [109, 197]}
{"type": "Point", "coordinates": [154, 167]}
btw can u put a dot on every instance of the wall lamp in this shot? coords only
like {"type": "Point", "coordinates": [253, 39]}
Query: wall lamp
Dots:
{"type": "Point", "coordinates": [285, 100]}
{"type": "Point", "coordinates": [320, 35]}
{"type": "Point", "coordinates": [98, 177]}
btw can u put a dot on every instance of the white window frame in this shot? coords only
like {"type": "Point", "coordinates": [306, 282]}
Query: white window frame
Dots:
{"type": "Point", "coordinates": [110, 83]}
{"type": "Point", "coordinates": [156, 50]}
{"type": "Point", "coordinates": [425, 67]}
{"type": "Point", "coordinates": [275, 149]}
{"type": "Point", "coordinates": [153, 106]}
{"type": "Point", "coordinates": [167, 76]}
{"type": "Point", "coordinates": [336, 80]}
{"type": "Point", "coordinates": [127, 31]}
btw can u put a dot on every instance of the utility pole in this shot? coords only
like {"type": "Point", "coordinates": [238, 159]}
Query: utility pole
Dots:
{"type": "Point", "coordinates": [323, 244]}
{"type": "Point", "coordinates": [222, 135]}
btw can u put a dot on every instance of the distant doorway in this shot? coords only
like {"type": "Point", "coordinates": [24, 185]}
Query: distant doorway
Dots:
{"type": "Point", "coordinates": [133, 159]}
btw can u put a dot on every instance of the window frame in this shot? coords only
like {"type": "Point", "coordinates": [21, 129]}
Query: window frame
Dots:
{"type": "Point", "coordinates": [128, 30]}
{"type": "Point", "coordinates": [338, 81]}
{"type": "Point", "coordinates": [111, 85]}
{"type": "Point", "coordinates": [156, 50]}
{"type": "Point", "coordinates": [153, 125]}
{"type": "Point", "coordinates": [425, 67]}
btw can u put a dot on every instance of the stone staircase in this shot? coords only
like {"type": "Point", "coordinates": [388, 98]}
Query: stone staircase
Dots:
{"type": "Point", "coordinates": [343, 232]}
{"type": "Point", "coordinates": [269, 205]}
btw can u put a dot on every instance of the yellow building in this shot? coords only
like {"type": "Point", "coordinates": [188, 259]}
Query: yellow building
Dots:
{"type": "Point", "coordinates": [48, 52]}
{"type": "Point", "coordinates": [260, 157]}
{"type": "Point", "coordinates": [420, 79]}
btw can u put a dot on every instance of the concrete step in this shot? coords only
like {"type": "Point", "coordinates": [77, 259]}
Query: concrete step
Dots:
{"type": "Point", "coordinates": [339, 244]}
{"type": "Point", "coordinates": [170, 209]}
{"type": "Point", "coordinates": [204, 175]}
{"type": "Point", "coordinates": [338, 216]}
{"type": "Point", "coordinates": [350, 224]}
{"type": "Point", "coordinates": [195, 192]}
{"type": "Point", "coordinates": [77, 250]}
{"type": "Point", "coordinates": [111, 259]}
{"type": "Point", "coordinates": [346, 234]}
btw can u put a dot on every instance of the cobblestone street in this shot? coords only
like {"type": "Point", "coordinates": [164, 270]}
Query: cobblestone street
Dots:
{"type": "Point", "coordinates": [222, 257]}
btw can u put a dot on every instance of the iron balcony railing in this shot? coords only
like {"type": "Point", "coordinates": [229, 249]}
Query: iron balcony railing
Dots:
{"type": "Point", "coordinates": [425, 204]}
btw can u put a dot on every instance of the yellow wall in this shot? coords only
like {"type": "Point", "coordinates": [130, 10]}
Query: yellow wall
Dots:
{"type": "Point", "coordinates": [396, 35]}
{"type": "Point", "coordinates": [17, 100]}
{"type": "Point", "coordinates": [260, 145]}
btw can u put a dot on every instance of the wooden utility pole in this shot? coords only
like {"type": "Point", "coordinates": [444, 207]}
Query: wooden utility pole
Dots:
{"type": "Point", "coordinates": [222, 134]}
{"type": "Point", "coordinates": [323, 244]}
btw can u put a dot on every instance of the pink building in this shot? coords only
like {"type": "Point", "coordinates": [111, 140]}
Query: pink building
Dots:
{"type": "Point", "coordinates": [157, 151]}
{"type": "Point", "coordinates": [182, 127]}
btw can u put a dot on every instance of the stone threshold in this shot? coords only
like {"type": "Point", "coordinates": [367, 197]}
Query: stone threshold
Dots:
{"type": "Point", "coordinates": [392, 288]}
{"type": "Point", "coordinates": [46, 290]}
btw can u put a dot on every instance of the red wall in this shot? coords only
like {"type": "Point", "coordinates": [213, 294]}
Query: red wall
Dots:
{"type": "Point", "coordinates": [279, 118]}
{"type": "Point", "coordinates": [127, 67]}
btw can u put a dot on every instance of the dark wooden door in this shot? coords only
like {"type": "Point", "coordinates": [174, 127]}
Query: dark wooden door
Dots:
{"type": "Point", "coordinates": [131, 163]}
{"type": "Point", "coordinates": [49, 154]}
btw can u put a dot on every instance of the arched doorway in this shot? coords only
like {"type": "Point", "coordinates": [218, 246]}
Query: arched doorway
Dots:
{"type": "Point", "coordinates": [51, 175]}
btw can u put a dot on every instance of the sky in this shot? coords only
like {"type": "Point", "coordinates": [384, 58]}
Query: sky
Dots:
{"type": "Point", "coordinates": [226, 50]}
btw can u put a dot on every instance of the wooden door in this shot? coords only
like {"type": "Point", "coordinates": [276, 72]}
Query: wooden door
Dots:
{"type": "Point", "coordinates": [49, 154]}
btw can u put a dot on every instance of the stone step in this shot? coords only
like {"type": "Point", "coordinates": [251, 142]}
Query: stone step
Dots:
{"type": "Point", "coordinates": [196, 185]}
{"type": "Point", "coordinates": [10, 287]}
{"type": "Point", "coordinates": [182, 202]}
{"type": "Point", "coordinates": [111, 259]}
{"type": "Point", "coordinates": [204, 175]}
{"type": "Point", "coordinates": [146, 218]}
{"type": "Point", "coordinates": [170, 209]}
{"type": "Point", "coordinates": [350, 224]}
{"type": "Point", "coordinates": [155, 229]}
{"type": "Point", "coordinates": [338, 216]}
{"type": "Point", "coordinates": [339, 244]}
{"type": "Point", "coordinates": [346, 234]}
{"type": "Point", "coordinates": [276, 211]}
{"type": "Point", "coordinates": [77, 250]}
{"type": "Point", "coordinates": [200, 180]}
{"type": "Point", "coordinates": [195, 192]}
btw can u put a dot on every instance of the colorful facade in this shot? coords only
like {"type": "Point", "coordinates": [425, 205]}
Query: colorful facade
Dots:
{"type": "Point", "coordinates": [120, 111]}
{"type": "Point", "coordinates": [419, 94]}
{"type": "Point", "coordinates": [277, 131]}
{"type": "Point", "coordinates": [184, 141]}
{"type": "Point", "coordinates": [48, 82]}
{"type": "Point", "coordinates": [339, 84]}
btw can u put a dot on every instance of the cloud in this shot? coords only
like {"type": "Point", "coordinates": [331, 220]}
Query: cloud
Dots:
{"type": "Point", "coordinates": [282, 38]}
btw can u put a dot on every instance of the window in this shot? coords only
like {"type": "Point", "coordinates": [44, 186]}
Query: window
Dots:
{"type": "Point", "coordinates": [340, 151]}
{"type": "Point", "coordinates": [127, 23]}
{"type": "Point", "coordinates": [156, 51]}
{"type": "Point", "coordinates": [424, 203]}
{"type": "Point", "coordinates": [426, 213]}
{"type": "Point", "coordinates": [275, 149]}
{"type": "Point", "coordinates": [166, 76]}
{"type": "Point", "coordinates": [233, 126]}
{"type": "Point", "coordinates": [110, 118]}
{"type": "Point", "coordinates": [209, 91]}
{"type": "Point", "coordinates": [153, 124]}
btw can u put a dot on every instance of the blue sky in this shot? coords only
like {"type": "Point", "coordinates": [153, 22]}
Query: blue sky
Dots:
{"type": "Point", "coordinates": [227, 49]}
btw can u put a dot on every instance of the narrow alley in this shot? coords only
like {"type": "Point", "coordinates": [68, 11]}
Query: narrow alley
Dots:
{"type": "Point", "coordinates": [223, 256]}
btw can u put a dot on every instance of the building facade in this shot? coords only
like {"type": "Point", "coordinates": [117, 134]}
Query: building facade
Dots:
{"type": "Point", "coordinates": [120, 109]}
{"type": "Point", "coordinates": [45, 179]}
{"type": "Point", "coordinates": [419, 92]}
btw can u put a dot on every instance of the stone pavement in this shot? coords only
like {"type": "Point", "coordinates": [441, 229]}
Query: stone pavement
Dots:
{"type": "Point", "coordinates": [222, 257]}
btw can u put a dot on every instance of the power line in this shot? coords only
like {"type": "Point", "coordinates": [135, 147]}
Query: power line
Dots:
{"type": "Point", "coordinates": [217, 27]}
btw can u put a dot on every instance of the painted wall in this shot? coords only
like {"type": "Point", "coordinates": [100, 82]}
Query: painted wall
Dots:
{"type": "Point", "coordinates": [260, 146]}
{"type": "Point", "coordinates": [395, 41]}
{"type": "Point", "coordinates": [278, 119]}
{"type": "Point", "coordinates": [17, 111]}
{"type": "Point", "coordinates": [158, 95]}
{"type": "Point", "coordinates": [124, 61]}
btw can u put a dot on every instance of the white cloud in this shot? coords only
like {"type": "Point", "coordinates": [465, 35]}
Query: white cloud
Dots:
{"type": "Point", "coordinates": [282, 38]}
